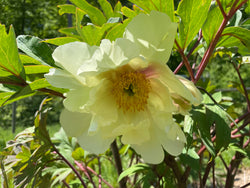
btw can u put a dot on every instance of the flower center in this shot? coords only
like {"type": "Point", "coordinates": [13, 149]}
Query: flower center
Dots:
{"type": "Point", "coordinates": [131, 90]}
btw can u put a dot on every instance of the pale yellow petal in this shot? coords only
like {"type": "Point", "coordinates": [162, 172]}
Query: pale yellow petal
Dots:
{"type": "Point", "coordinates": [168, 78]}
{"type": "Point", "coordinates": [174, 139]}
{"type": "Point", "coordinates": [159, 97]}
{"type": "Point", "coordinates": [74, 123]}
{"type": "Point", "coordinates": [102, 103]}
{"type": "Point", "coordinates": [197, 96]}
{"type": "Point", "coordinates": [63, 79]}
{"type": "Point", "coordinates": [151, 150]}
{"type": "Point", "coordinates": [154, 34]}
{"type": "Point", "coordinates": [73, 55]}
{"type": "Point", "coordinates": [134, 130]}
{"type": "Point", "coordinates": [77, 99]}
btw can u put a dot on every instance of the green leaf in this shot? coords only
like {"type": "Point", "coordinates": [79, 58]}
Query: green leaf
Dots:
{"type": "Point", "coordinates": [78, 154]}
{"type": "Point", "coordinates": [106, 8]}
{"type": "Point", "coordinates": [235, 148]}
{"type": "Point", "coordinates": [166, 6]}
{"type": "Point", "coordinates": [212, 24]}
{"type": "Point", "coordinates": [193, 14]}
{"type": "Point", "coordinates": [128, 12]}
{"type": "Point", "coordinates": [41, 132]}
{"type": "Point", "coordinates": [200, 119]}
{"type": "Point", "coordinates": [36, 69]}
{"type": "Point", "coordinates": [27, 60]}
{"type": "Point", "coordinates": [215, 115]}
{"type": "Point", "coordinates": [61, 40]}
{"type": "Point", "coordinates": [68, 9]}
{"type": "Point", "coordinates": [191, 158]}
{"type": "Point", "coordinates": [65, 145]}
{"type": "Point", "coordinates": [117, 31]}
{"type": "Point", "coordinates": [188, 122]}
{"type": "Point", "coordinates": [91, 34]}
{"type": "Point", "coordinates": [60, 174]}
{"type": "Point", "coordinates": [70, 31]}
{"type": "Point", "coordinates": [28, 90]}
{"type": "Point", "coordinates": [4, 73]}
{"type": "Point", "coordinates": [247, 10]}
{"type": "Point", "coordinates": [24, 155]}
{"type": "Point", "coordinates": [117, 10]}
{"type": "Point", "coordinates": [230, 42]}
{"type": "Point", "coordinates": [94, 13]}
{"type": "Point", "coordinates": [216, 96]}
{"type": "Point", "coordinates": [4, 97]}
{"type": "Point", "coordinates": [146, 5]}
{"type": "Point", "coordinates": [227, 4]}
{"type": "Point", "coordinates": [133, 169]}
{"type": "Point", "coordinates": [35, 48]}
{"type": "Point", "coordinates": [9, 58]}
{"type": "Point", "coordinates": [241, 34]}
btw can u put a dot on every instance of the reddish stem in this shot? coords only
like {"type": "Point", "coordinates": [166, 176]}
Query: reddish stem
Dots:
{"type": "Point", "coordinates": [243, 86]}
{"type": "Point", "coordinates": [212, 45]}
{"type": "Point", "coordinates": [82, 168]}
{"type": "Point", "coordinates": [185, 61]}
{"type": "Point", "coordinates": [221, 8]}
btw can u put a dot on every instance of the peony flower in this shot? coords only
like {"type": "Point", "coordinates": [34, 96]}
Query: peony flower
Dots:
{"type": "Point", "coordinates": [123, 88]}
{"type": "Point", "coordinates": [181, 103]}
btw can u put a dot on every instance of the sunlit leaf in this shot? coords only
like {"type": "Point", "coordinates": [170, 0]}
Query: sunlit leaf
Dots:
{"type": "Point", "coordinates": [106, 8]}
{"type": "Point", "coordinates": [27, 60]}
{"type": "Point", "coordinates": [24, 155]}
{"type": "Point", "coordinates": [91, 34]}
{"type": "Point", "coordinates": [28, 90]}
{"type": "Point", "coordinates": [117, 31]}
{"type": "Point", "coordinates": [240, 34]}
{"type": "Point", "coordinates": [78, 154]}
{"type": "Point", "coordinates": [35, 48]}
{"type": "Point", "coordinates": [36, 69]}
{"type": "Point", "coordinates": [133, 169]}
{"type": "Point", "coordinates": [69, 9]}
{"type": "Point", "coordinates": [9, 58]}
{"type": "Point", "coordinates": [212, 24]}
{"type": "Point", "coordinates": [61, 40]}
{"type": "Point", "coordinates": [117, 10]}
{"type": "Point", "coordinates": [94, 13]}
{"type": "Point", "coordinates": [70, 31]}
{"type": "Point", "coordinates": [193, 15]}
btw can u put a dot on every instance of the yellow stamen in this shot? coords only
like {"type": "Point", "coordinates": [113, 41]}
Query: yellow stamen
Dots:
{"type": "Point", "coordinates": [131, 91]}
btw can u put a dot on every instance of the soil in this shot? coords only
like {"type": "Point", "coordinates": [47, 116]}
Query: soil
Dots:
{"type": "Point", "coordinates": [242, 178]}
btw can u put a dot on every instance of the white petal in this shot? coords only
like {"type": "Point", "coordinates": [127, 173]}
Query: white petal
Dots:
{"type": "Point", "coordinates": [73, 55]}
{"type": "Point", "coordinates": [74, 123]}
{"type": "Point", "coordinates": [77, 99]}
{"type": "Point", "coordinates": [154, 33]}
{"type": "Point", "coordinates": [63, 79]}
